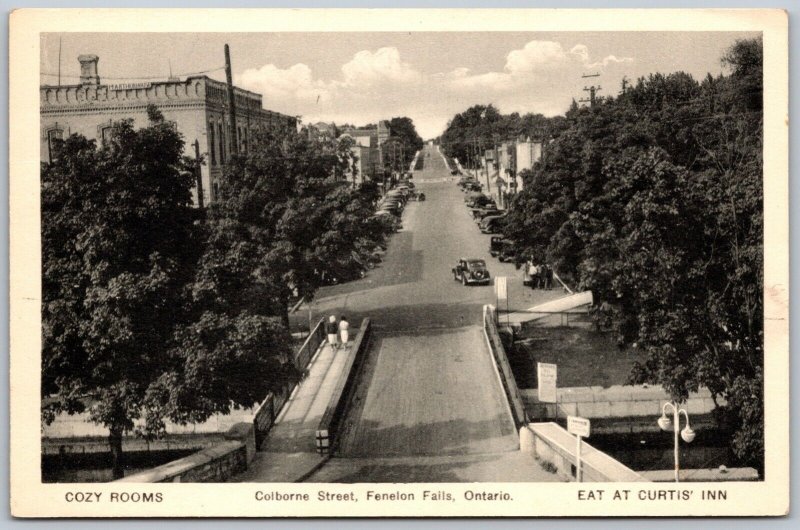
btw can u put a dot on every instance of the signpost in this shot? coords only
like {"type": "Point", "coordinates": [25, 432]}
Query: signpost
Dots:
{"type": "Point", "coordinates": [581, 428]}
{"type": "Point", "coordinates": [546, 375]}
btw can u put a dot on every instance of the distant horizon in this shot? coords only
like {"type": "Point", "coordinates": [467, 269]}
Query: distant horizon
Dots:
{"type": "Point", "coordinates": [361, 78]}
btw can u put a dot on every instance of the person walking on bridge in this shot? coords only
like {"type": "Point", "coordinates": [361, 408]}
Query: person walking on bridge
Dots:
{"type": "Point", "coordinates": [344, 331]}
{"type": "Point", "coordinates": [331, 330]}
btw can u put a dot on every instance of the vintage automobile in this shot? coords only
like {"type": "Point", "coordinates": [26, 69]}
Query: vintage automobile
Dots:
{"type": "Point", "coordinates": [495, 245]}
{"type": "Point", "coordinates": [508, 251]}
{"type": "Point", "coordinates": [492, 224]}
{"type": "Point", "coordinates": [478, 214]}
{"type": "Point", "coordinates": [469, 271]}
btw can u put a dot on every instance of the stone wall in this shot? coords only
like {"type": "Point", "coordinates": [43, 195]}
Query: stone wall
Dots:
{"type": "Point", "coordinates": [213, 464]}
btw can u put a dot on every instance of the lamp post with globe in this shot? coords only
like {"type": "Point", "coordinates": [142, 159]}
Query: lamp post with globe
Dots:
{"type": "Point", "coordinates": [667, 424]}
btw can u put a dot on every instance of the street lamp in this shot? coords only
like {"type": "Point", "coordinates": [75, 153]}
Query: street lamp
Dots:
{"type": "Point", "coordinates": [687, 433]}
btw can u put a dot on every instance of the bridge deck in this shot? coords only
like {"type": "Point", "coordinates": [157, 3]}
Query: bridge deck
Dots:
{"type": "Point", "coordinates": [289, 450]}
{"type": "Point", "coordinates": [296, 426]}
{"type": "Point", "coordinates": [428, 393]}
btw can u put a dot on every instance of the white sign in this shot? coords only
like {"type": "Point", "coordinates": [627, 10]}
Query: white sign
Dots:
{"type": "Point", "coordinates": [578, 426]}
{"type": "Point", "coordinates": [546, 375]}
{"type": "Point", "coordinates": [129, 86]}
{"type": "Point", "coordinates": [501, 287]}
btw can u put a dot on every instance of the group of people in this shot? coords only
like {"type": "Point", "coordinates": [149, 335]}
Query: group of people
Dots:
{"type": "Point", "coordinates": [337, 332]}
{"type": "Point", "coordinates": [541, 275]}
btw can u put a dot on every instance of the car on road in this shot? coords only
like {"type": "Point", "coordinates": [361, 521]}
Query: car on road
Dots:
{"type": "Point", "coordinates": [508, 251]}
{"type": "Point", "coordinates": [478, 214]}
{"type": "Point", "coordinates": [470, 271]}
{"type": "Point", "coordinates": [495, 245]}
{"type": "Point", "coordinates": [492, 224]}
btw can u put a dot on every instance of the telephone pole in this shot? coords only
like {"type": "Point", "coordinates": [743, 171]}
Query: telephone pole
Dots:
{"type": "Point", "coordinates": [198, 175]}
{"type": "Point", "coordinates": [592, 90]}
{"type": "Point", "coordinates": [231, 102]}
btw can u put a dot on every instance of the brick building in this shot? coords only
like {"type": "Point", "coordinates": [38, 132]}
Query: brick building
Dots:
{"type": "Point", "coordinates": [197, 105]}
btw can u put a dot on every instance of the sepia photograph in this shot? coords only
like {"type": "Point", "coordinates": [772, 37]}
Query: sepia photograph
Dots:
{"type": "Point", "coordinates": [443, 266]}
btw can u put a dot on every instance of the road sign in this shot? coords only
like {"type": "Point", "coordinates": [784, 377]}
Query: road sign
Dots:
{"type": "Point", "coordinates": [546, 375]}
{"type": "Point", "coordinates": [578, 426]}
{"type": "Point", "coordinates": [501, 287]}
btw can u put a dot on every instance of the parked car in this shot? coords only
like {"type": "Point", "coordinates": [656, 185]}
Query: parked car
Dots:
{"type": "Point", "coordinates": [469, 271]}
{"type": "Point", "coordinates": [495, 245]}
{"type": "Point", "coordinates": [492, 224]}
{"type": "Point", "coordinates": [508, 251]}
{"type": "Point", "coordinates": [480, 213]}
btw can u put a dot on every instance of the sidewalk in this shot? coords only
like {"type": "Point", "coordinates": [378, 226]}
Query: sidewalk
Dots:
{"type": "Point", "coordinates": [289, 450]}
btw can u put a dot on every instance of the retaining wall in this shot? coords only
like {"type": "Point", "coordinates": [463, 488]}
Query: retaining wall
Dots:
{"type": "Point", "coordinates": [214, 464]}
{"type": "Point", "coordinates": [618, 401]}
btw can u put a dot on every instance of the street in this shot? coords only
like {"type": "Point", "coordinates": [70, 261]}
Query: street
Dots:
{"type": "Point", "coordinates": [429, 389]}
{"type": "Point", "coordinates": [413, 288]}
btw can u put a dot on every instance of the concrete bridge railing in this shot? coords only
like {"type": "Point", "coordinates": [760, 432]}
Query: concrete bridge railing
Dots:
{"type": "Point", "coordinates": [507, 379]}
{"type": "Point", "coordinates": [551, 443]}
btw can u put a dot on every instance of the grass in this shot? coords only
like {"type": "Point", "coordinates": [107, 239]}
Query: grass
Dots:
{"type": "Point", "coordinates": [584, 357]}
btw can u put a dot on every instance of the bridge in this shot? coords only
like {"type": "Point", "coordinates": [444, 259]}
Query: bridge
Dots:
{"type": "Point", "coordinates": [424, 392]}
{"type": "Point", "coordinates": [425, 400]}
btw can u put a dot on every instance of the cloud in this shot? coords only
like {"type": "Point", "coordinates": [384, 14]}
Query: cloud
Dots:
{"type": "Point", "coordinates": [610, 59]}
{"type": "Point", "coordinates": [535, 56]}
{"type": "Point", "coordinates": [367, 68]}
{"type": "Point", "coordinates": [542, 76]}
{"type": "Point", "coordinates": [294, 83]}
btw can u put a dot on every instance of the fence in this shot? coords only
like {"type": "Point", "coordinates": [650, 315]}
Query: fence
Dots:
{"type": "Point", "coordinates": [340, 398]}
{"type": "Point", "coordinates": [506, 375]}
{"type": "Point", "coordinates": [268, 410]}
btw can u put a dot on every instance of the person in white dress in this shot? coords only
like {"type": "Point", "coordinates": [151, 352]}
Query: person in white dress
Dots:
{"type": "Point", "coordinates": [344, 330]}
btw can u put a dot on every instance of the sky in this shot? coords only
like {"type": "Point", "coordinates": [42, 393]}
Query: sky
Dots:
{"type": "Point", "coordinates": [360, 78]}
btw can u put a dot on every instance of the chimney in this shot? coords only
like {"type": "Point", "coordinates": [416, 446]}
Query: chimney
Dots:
{"type": "Point", "coordinates": [89, 69]}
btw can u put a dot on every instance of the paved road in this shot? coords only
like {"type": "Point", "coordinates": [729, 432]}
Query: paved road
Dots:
{"type": "Point", "coordinates": [413, 287]}
{"type": "Point", "coordinates": [435, 393]}
{"type": "Point", "coordinates": [429, 390]}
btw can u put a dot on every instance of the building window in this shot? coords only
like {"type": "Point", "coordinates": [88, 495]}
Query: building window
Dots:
{"type": "Point", "coordinates": [54, 137]}
{"type": "Point", "coordinates": [213, 146]}
{"type": "Point", "coordinates": [221, 144]}
{"type": "Point", "coordinates": [106, 134]}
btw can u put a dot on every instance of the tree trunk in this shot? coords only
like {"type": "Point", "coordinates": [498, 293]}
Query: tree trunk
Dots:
{"type": "Point", "coordinates": [115, 444]}
{"type": "Point", "coordinates": [286, 313]}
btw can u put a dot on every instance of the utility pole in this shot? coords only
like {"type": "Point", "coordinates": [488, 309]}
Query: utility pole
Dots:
{"type": "Point", "coordinates": [59, 62]}
{"type": "Point", "coordinates": [592, 90]}
{"type": "Point", "coordinates": [197, 175]}
{"type": "Point", "coordinates": [231, 103]}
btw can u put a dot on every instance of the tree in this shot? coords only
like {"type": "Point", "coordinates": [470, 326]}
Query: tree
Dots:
{"type": "Point", "coordinates": [286, 222]}
{"type": "Point", "coordinates": [654, 201]}
{"type": "Point", "coordinates": [117, 247]}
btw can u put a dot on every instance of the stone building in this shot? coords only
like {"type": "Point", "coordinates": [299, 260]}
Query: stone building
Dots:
{"type": "Point", "coordinates": [198, 106]}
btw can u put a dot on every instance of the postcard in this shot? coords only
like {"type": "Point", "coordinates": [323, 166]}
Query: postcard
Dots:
{"type": "Point", "coordinates": [399, 263]}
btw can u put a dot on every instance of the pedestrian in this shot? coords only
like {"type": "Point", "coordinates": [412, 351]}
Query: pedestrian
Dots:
{"type": "Point", "coordinates": [331, 330]}
{"type": "Point", "coordinates": [548, 277]}
{"type": "Point", "coordinates": [344, 330]}
{"type": "Point", "coordinates": [535, 276]}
